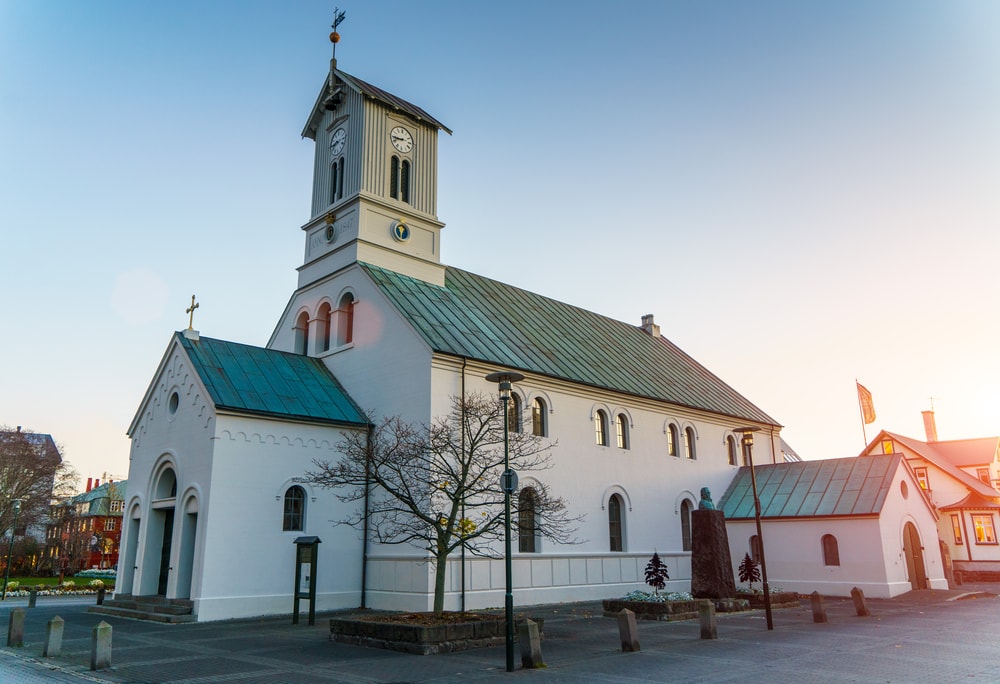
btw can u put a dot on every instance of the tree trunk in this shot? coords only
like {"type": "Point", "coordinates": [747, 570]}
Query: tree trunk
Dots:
{"type": "Point", "coordinates": [440, 568]}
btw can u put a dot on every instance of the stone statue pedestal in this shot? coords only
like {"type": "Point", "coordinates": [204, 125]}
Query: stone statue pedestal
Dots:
{"type": "Point", "coordinates": [711, 566]}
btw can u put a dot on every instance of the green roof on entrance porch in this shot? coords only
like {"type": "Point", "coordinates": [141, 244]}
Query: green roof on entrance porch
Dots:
{"type": "Point", "coordinates": [244, 379]}
{"type": "Point", "coordinates": [486, 320]}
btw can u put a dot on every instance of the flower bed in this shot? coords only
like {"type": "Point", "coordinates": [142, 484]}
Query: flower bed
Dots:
{"type": "Point", "coordinates": [672, 606]}
{"type": "Point", "coordinates": [779, 599]}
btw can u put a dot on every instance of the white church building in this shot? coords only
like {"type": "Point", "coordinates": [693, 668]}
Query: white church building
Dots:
{"type": "Point", "coordinates": [378, 326]}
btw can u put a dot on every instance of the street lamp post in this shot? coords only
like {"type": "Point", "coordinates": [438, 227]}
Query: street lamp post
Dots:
{"type": "Point", "coordinates": [10, 549]}
{"type": "Point", "coordinates": [747, 433]}
{"type": "Point", "coordinates": [509, 483]}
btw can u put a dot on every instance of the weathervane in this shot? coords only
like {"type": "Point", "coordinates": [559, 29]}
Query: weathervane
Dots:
{"type": "Point", "coordinates": [338, 16]}
{"type": "Point", "coordinates": [190, 310]}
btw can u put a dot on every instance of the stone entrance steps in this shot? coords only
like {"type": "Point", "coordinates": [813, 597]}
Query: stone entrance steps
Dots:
{"type": "Point", "coordinates": [151, 608]}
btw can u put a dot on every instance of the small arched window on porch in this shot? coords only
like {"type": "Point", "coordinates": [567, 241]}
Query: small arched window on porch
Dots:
{"type": "Point", "coordinates": [326, 326]}
{"type": "Point", "coordinates": [831, 551]}
{"type": "Point", "coordinates": [295, 509]}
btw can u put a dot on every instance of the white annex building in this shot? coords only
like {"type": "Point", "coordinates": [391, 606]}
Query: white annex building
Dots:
{"type": "Point", "coordinates": [379, 326]}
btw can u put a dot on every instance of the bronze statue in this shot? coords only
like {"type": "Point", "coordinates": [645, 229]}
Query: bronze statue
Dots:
{"type": "Point", "coordinates": [706, 500]}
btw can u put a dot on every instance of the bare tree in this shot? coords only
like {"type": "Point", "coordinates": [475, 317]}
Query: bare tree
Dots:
{"type": "Point", "coordinates": [438, 487]}
{"type": "Point", "coordinates": [32, 471]}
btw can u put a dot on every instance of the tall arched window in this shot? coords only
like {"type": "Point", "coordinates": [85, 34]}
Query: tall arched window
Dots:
{"type": "Point", "coordinates": [601, 428]}
{"type": "Point", "coordinates": [394, 177]}
{"type": "Point", "coordinates": [326, 325]}
{"type": "Point", "coordinates": [755, 549]}
{"type": "Point", "coordinates": [404, 181]}
{"type": "Point", "coordinates": [686, 525]}
{"type": "Point", "coordinates": [731, 450]}
{"type": "Point", "coordinates": [337, 180]}
{"type": "Point", "coordinates": [514, 413]}
{"type": "Point", "coordinates": [615, 523]}
{"type": "Point", "coordinates": [621, 430]}
{"type": "Point", "coordinates": [527, 530]}
{"type": "Point", "coordinates": [689, 443]}
{"type": "Point", "coordinates": [302, 333]}
{"type": "Point", "coordinates": [672, 440]}
{"type": "Point", "coordinates": [538, 427]}
{"type": "Point", "coordinates": [345, 320]}
{"type": "Point", "coordinates": [831, 551]}
{"type": "Point", "coordinates": [295, 509]}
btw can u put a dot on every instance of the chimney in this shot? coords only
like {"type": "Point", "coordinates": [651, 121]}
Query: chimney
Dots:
{"type": "Point", "coordinates": [97, 483]}
{"type": "Point", "coordinates": [649, 327]}
{"type": "Point", "coordinates": [90, 482]}
{"type": "Point", "coordinates": [929, 427]}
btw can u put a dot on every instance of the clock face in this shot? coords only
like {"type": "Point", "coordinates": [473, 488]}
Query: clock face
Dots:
{"type": "Point", "coordinates": [337, 141]}
{"type": "Point", "coordinates": [401, 139]}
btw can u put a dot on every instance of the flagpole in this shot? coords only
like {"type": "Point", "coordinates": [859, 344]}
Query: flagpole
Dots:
{"type": "Point", "coordinates": [861, 410]}
{"type": "Point", "coordinates": [865, 407]}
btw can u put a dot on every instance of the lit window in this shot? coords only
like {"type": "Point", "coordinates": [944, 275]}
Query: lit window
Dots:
{"type": "Point", "coordinates": [921, 474]}
{"type": "Point", "coordinates": [110, 524]}
{"type": "Point", "coordinates": [686, 525]}
{"type": "Point", "coordinates": [689, 443]}
{"type": "Point", "coordinates": [538, 417]}
{"type": "Point", "coordinates": [956, 528]}
{"type": "Point", "coordinates": [831, 551]}
{"type": "Point", "coordinates": [601, 428]}
{"type": "Point", "coordinates": [672, 440]}
{"type": "Point", "coordinates": [983, 524]}
{"type": "Point", "coordinates": [621, 426]}
{"type": "Point", "coordinates": [295, 508]}
{"type": "Point", "coordinates": [514, 413]}
{"type": "Point", "coordinates": [888, 447]}
{"type": "Point", "coordinates": [526, 526]}
{"type": "Point", "coordinates": [731, 450]}
{"type": "Point", "coordinates": [615, 523]}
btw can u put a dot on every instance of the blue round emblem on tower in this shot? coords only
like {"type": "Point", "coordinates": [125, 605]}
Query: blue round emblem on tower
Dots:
{"type": "Point", "coordinates": [400, 231]}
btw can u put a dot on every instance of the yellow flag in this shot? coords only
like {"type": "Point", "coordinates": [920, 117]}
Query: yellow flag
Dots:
{"type": "Point", "coordinates": [865, 400]}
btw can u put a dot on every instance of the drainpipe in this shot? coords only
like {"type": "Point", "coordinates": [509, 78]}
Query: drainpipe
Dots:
{"type": "Point", "coordinates": [772, 445]}
{"type": "Point", "coordinates": [464, 362]}
{"type": "Point", "coordinates": [364, 548]}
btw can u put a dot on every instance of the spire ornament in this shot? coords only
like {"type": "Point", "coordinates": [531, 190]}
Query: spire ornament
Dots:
{"type": "Point", "coordinates": [190, 310]}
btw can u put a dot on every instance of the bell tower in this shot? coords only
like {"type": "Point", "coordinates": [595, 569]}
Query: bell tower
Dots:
{"type": "Point", "coordinates": [374, 196]}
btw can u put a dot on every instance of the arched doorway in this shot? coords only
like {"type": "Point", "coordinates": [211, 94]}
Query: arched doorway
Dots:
{"type": "Point", "coordinates": [914, 554]}
{"type": "Point", "coordinates": [159, 535]}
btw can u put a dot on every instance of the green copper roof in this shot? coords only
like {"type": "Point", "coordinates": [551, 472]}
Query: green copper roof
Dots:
{"type": "Point", "coordinates": [835, 487]}
{"type": "Point", "coordinates": [482, 319]}
{"type": "Point", "coordinates": [266, 382]}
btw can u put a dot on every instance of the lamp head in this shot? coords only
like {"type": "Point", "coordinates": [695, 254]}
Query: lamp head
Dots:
{"type": "Point", "coordinates": [747, 433]}
{"type": "Point", "coordinates": [504, 380]}
{"type": "Point", "coordinates": [17, 505]}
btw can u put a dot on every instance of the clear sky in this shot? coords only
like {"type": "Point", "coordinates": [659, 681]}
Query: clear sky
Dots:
{"type": "Point", "coordinates": [803, 193]}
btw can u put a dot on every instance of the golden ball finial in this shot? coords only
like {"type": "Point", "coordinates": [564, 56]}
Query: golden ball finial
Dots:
{"type": "Point", "coordinates": [334, 37]}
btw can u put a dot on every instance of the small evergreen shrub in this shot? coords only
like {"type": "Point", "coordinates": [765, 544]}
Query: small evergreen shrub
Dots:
{"type": "Point", "coordinates": [656, 573]}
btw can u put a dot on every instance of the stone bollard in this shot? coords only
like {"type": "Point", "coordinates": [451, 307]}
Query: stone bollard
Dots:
{"type": "Point", "coordinates": [709, 628]}
{"type": "Point", "coordinates": [100, 647]}
{"type": "Point", "coordinates": [32, 597]}
{"type": "Point", "coordinates": [819, 610]}
{"type": "Point", "coordinates": [100, 596]}
{"type": "Point", "coordinates": [15, 631]}
{"type": "Point", "coordinates": [860, 605]}
{"type": "Point", "coordinates": [53, 637]}
{"type": "Point", "coordinates": [531, 644]}
{"type": "Point", "coordinates": [628, 630]}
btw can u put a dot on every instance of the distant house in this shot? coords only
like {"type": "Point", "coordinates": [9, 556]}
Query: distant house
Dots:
{"type": "Point", "coordinates": [959, 478]}
{"type": "Point", "coordinates": [85, 531]}
{"type": "Point", "coordinates": [831, 525]}
{"type": "Point", "coordinates": [29, 462]}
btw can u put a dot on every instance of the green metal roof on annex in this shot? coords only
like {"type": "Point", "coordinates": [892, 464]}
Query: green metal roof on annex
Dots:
{"type": "Point", "coordinates": [485, 320]}
{"type": "Point", "coordinates": [836, 487]}
{"type": "Point", "coordinates": [265, 382]}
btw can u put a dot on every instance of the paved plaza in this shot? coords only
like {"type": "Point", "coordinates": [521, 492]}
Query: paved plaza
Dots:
{"type": "Point", "coordinates": [926, 636]}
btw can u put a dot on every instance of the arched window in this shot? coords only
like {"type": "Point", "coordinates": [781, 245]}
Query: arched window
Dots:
{"type": "Point", "coordinates": [615, 523]}
{"type": "Point", "coordinates": [340, 179]}
{"type": "Point", "coordinates": [621, 428]}
{"type": "Point", "coordinates": [302, 333]}
{"type": "Point", "coordinates": [831, 551]}
{"type": "Point", "coordinates": [731, 450]}
{"type": "Point", "coordinates": [538, 427]}
{"type": "Point", "coordinates": [672, 440]}
{"type": "Point", "coordinates": [345, 320]}
{"type": "Point", "coordinates": [326, 325]}
{"type": "Point", "coordinates": [755, 549]}
{"type": "Point", "coordinates": [527, 531]}
{"type": "Point", "coordinates": [601, 428]}
{"type": "Point", "coordinates": [394, 177]}
{"type": "Point", "coordinates": [686, 525]}
{"type": "Point", "coordinates": [337, 180]}
{"type": "Point", "coordinates": [404, 181]}
{"type": "Point", "coordinates": [514, 413]}
{"type": "Point", "coordinates": [295, 509]}
{"type": "Point", "coordinates": [689, 443]}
